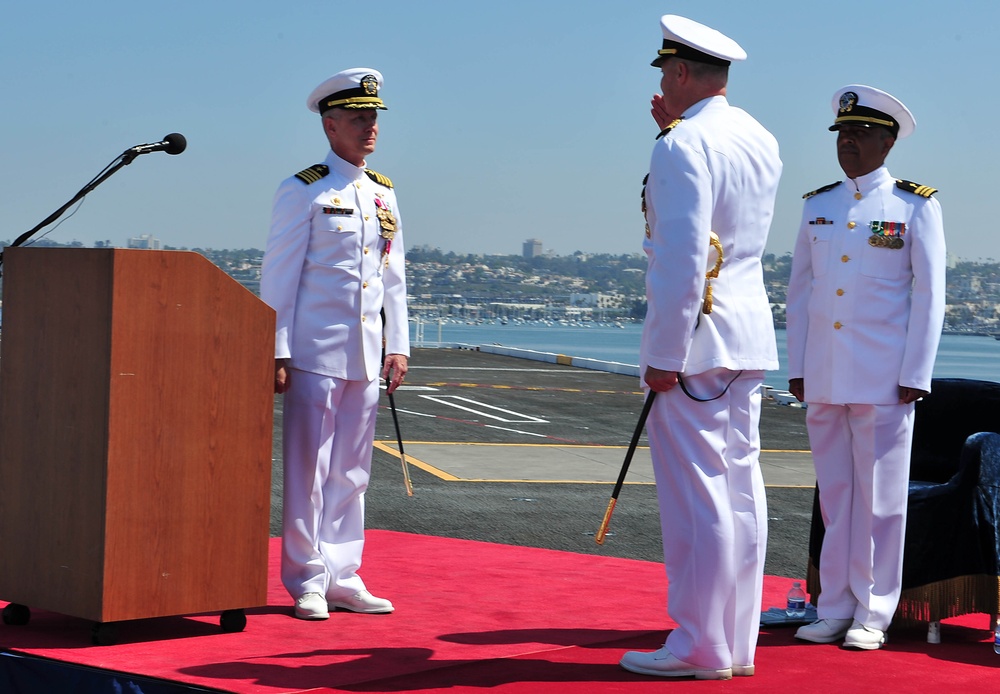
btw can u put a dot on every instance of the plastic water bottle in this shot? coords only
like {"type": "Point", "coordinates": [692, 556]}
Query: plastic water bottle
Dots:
{"type": "Point", "coordinates": [796, 608]}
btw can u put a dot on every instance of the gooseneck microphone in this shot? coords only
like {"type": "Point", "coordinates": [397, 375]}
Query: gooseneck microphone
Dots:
{"type": "Point", "coordinates": [174, 143]}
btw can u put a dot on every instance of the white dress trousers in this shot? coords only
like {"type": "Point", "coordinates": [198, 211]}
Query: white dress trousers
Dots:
{"type": "Point", "coordinates": [713, 515]}
{"type": "Point", "coordinates": [327, 449]}
{"type": "Point", "coordinates": [862, 459]}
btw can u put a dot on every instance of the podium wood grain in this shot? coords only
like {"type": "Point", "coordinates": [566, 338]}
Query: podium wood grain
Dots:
{"type": "Point", "coordinates": [136, 394]}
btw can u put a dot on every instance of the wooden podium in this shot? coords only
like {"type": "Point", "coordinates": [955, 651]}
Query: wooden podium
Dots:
{"type": "Point", "coordinates": [136, 407]}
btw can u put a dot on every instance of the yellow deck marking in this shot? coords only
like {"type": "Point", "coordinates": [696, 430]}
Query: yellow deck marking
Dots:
{"type": "Point", "coordinates": [441, 474]}
{"type": "Point", "coordinates": [392, 450]}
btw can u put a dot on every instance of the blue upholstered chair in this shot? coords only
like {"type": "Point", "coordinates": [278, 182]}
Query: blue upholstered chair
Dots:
{"type": "Point", "coordinates": [951, 560]}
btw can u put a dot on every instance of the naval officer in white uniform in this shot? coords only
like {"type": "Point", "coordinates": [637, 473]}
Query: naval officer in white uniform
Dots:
{"type": "Point", "coordinates": [865, 309]}
{"type": "Point", "coordinates": [334, 261]}
{"type": "Point", "coordinates": [707, 340]}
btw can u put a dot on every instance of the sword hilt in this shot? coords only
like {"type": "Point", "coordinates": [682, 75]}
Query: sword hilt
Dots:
{"type": "Point", "coordinates": [603, 530]}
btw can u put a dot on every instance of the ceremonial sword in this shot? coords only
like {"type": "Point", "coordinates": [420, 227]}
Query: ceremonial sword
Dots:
{"type": "Point", "coordinates": [602, 531]}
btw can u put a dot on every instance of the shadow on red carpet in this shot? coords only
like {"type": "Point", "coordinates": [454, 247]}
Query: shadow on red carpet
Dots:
{"type": "Point", "coordinates": [475, 615]}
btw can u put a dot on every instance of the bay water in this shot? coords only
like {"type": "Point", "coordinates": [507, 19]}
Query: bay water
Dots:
{"type": "Point", "coordinates": [959, 356]}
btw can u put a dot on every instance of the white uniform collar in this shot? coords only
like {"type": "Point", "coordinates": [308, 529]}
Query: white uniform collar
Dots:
{"type": "Point", "coordinates": [697, 108]}
{"type": "Point", "coordinates": [870, 181]}
{"type": "Point", "coordinates": [343, 167]}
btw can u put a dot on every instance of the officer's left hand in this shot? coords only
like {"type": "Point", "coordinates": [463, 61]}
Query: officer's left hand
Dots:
{"type": "Point", "coordinates": [908, 395]}
{"type": "Point", "coordinates": [394, 371]}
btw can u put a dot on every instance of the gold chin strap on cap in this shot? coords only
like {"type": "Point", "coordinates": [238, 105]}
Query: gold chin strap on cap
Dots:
{"type": "Point", "coordinates": [715, 243]}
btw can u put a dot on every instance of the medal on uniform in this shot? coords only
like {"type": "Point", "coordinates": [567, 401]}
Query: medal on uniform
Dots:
{"type": "Point", "coordinates": [387, 225]}
{"type": "Point", "coordinates": [887, 234]}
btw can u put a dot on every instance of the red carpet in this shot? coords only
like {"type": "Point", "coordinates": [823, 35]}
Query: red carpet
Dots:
{"type": "Point", "coordinates": [472, 615]}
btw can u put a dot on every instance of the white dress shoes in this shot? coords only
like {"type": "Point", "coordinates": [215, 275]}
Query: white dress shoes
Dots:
{"type": "Point", "coordinates": [824, 630]}
{"type": "Point", "coordinates": [364, 602]}
{"type": "Point", "coordinates": [865, 638]}
{"type": "Point", "coordinates": [311, 606]}
{"type": "Point", "coordinates": [663, 663]}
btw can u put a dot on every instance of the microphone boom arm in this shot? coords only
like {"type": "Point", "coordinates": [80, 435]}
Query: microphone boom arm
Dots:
{"type": "Point", "coordinates": [76, 198]}
{"type": "Point", "coordinates": [124, 159]}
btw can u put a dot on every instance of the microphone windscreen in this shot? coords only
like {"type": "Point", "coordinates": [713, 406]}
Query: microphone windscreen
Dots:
{"type": "Point", "coordinates": [176, 143]}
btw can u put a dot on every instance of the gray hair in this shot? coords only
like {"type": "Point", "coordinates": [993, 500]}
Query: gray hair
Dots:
{"type": "Point", "coordinates": [716, 75]}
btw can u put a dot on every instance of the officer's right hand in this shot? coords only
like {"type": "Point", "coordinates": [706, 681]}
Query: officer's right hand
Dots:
{"type": "Point", "coordinates": [659, 111]}
{"type": "Point", "coordinates": [282, 379]}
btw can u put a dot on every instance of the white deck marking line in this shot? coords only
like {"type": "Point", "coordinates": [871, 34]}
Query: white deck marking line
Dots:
{"type": "Point", "coordinates": [523, 418]}
{"type": "Point", "coordinates": [417, 414]}
{"type": "Point", "coordinates": [580, 372]}
{"type": "Point", "coordinates": [516, 431]}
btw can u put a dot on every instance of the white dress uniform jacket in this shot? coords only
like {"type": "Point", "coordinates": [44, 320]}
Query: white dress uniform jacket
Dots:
{"type": "Point", "coordinates": [864, 319]}
{"type": "Point", "coordinates": [326, 275]}
{"type": "Point", "coordinates": [722, 176]}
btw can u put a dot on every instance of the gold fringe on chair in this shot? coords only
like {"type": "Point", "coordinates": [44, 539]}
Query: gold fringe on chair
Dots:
{"type": "Point", "coordinates": [949, 598]}
{"type": "Point", "coordinates": [933, 602]}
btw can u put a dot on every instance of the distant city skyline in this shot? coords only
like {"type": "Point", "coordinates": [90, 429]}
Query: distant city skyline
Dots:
{"type": "Point", "coordinates": [530, 248]}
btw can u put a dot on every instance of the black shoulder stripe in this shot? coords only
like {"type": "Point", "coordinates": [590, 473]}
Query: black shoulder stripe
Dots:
{"type": "Point", "coordinates": [313, 173]}
{"type": "Point", "coordinates": [670, 127]}
{"type": "Point", "coordinates": [821, 190]}
{"type": "Point", "coordinates": [915, 188]}
{"type": "Point", "coordinates": [379, 178]}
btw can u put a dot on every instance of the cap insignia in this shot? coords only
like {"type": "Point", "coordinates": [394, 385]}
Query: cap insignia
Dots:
{"type": "Point", "coordinates": [370, 85]}
{"type": "Point", "coordinates": [847, 102]}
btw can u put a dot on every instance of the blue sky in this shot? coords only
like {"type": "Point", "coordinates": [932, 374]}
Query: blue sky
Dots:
{"type": "Point", "coordinates": [508, 120]}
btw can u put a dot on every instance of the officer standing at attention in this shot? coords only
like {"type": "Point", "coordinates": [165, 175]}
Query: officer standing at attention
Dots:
{"type": "Point", "coordinates": [334, 260]}
{"type": "Point", "coordinates": [707, 339]}
{"type": "Point", "coordinates": [865, 309]}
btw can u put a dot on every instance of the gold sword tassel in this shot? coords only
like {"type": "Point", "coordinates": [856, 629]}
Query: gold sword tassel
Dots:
{"type": "Point", "coordinates": [714, 241]}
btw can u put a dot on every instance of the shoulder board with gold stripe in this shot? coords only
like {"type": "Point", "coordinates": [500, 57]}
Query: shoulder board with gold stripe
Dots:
{"type": "Point", "coordinates": [313, 173]}
{"type": "Point", "coordinates": [379, 178]}
{"type": "Point", "coordinates": [670, 127]}
{"type": "Point", "coordinates": [915, 188]}
{"type": "Point", "coordinates": [821, 190]}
